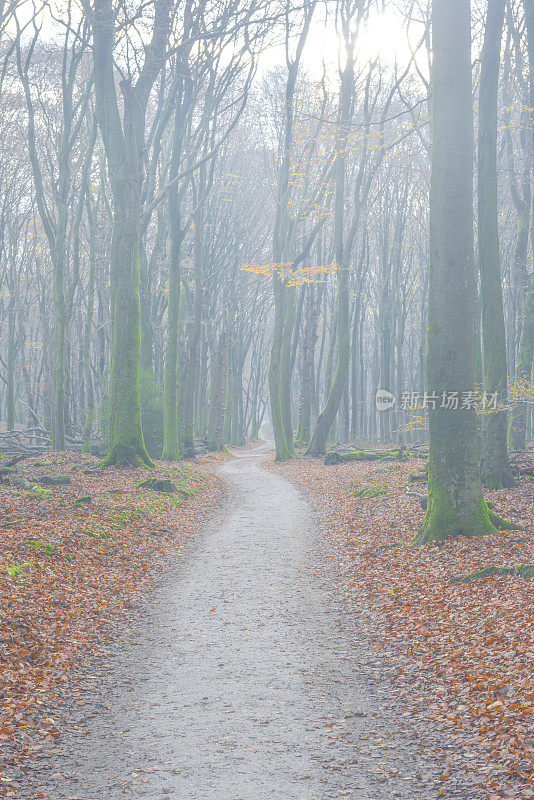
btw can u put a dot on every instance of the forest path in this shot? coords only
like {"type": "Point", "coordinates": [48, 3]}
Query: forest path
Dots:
{"type": "Point", "coordinates": [241, 680]}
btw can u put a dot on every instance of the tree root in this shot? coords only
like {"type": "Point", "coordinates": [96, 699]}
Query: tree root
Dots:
{"type": "Point", "coordinates": [524, 571]}
{"type": "Point", "coordinates": [501, 523]}
{"type": "Point", "coordinates": [127, 456]}
{"type": "Point", "coordinates": [421, 476]}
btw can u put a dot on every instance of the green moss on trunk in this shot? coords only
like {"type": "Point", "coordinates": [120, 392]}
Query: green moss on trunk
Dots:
{"type": "Point", "coordinates": [446, 519]}
{"type": "Point", "coordinates": [126, 434]}
{"type": "Point", "coordinates": [456, 506]}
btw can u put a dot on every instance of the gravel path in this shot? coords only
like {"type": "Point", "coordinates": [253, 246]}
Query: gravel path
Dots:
{"type": "Point", "coordinates": [242, 680]}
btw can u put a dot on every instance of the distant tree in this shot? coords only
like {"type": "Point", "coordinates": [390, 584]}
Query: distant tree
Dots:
{"type": "Point", "coordinates": [496, 472]}
{"type": "Point", "coordinates": [54, 186]}
{"type": "Point", "coordinates": [525, 355]}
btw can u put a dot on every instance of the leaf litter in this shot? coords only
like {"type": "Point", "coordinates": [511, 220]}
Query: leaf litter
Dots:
{"type": "Point", "coordinates": [70, 571]}
{"type": "Point", "coordinates": [461, 657]}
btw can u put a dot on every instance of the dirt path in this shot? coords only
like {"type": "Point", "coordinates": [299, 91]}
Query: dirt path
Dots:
{"type": "Point", "coordinates": [242, 680]}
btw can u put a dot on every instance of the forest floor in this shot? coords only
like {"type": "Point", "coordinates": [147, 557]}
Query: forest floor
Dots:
{"type": "Point", "coordinates": [460, 657]}
{"type": "Point", "coordinates": [268, 651]}
{"type": "Point", "coordinates": [76, 561]}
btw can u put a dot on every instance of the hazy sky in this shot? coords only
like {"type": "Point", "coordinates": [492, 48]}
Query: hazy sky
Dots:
{"type": "Point", "coordinates": [384, 35]}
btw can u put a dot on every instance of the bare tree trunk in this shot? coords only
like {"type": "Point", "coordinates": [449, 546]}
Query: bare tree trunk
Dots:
{"type": "Point", "coordinates": [218, 395]}
{"type": "Point", "coordinates": [307, 361]}
{"type": "Point", "coordinates": [496, 472]}
{"type": "Point", "coordinates": [86, 352]}
{"type": "Point", "coordinates": [188, 442]}
{"type": "Point", "coordinates": [328, 415]}
{"type": "Point", "coordinates": [525, 356]}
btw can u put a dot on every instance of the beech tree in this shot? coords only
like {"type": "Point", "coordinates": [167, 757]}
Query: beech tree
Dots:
{"type": "Point", "coordinates": [496, 471]}
{"type": "Point", "coordinates": [124, 140]}
{"type": "Point", "coordinates": [351, 15]}
{"type": "Point", "coordinates": [55, 204]}
{"type": "Point", "coordinates": [284, 250]}
{"type": "Point", "coordinates": [525, 355]}
{"type": "Point", "coordinates": [456, 505]}
{"type": "Point", "coordinates": [203, 229]}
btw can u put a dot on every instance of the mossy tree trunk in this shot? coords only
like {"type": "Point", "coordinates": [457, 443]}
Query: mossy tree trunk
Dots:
{"type": "Point", "coordinates": [496, 472]}
{"type": "Point", "coordinates": [177, 231]}
{"type": "Point", "coordinates": [124, 142]}
{"type": "Point", "coordinates": [126, 435]}
{"type": "Point", "coordinates": [456, 505]}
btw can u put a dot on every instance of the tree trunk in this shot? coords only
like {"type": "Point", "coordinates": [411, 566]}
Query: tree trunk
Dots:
{"type": "Point", "coordinates": [286, 367]}
{"type": "Point", "coordinates": [171, 427]}
{"type": "Point", "coordinates": [58, 358]}
{"type": "Point", "coordinates": [188, 443]}
{"type": "Point", "coordinates": [11, 351]}
{"type": "Point", "coordinates": [218, 396]}
{"type": "Point", "coordinates": [282, 450]}
{"type": "Point", "coordinates": [280, 366]}
{"type": "Point", "coordinates": [126, 435]}
{"type": "Point", "coordinates": [355, 356]}
{"type": "Point", "coordinates": [328, 415]}
{"type": "Point", "coordinates": [496, 472]}
{"type": "Point", "coordinates": [86, 353]}
{"type": "Point", "coordinates": [171, 436]}
{"type": "Point", "coordinates": [525, 357]}
{"type": "Point", "coordinates": [306, 376]}
{"type": "Point", "coordinates": [456, 505]}
{"type": "Point", "coordinates": [281, 237]}
{"type": "Point", "coordinates": [124, 142]}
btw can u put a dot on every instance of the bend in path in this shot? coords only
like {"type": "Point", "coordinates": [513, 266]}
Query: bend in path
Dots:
{"type": "Point", "coordinates": [242, 682]}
